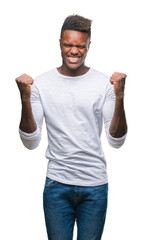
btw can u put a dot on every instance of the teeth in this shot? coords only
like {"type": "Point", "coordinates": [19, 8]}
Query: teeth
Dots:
{"type": "Point", "coordinates": [73, 59]}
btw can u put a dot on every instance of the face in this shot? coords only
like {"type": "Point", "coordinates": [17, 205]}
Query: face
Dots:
{"type": "Point", "coordinates": [74, 47]}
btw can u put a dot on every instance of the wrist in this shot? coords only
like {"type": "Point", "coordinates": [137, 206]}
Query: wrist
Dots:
{"type": "Point", "coordinates": [25, 100]}
{"type": "Point", "coordinates": [120, 96]}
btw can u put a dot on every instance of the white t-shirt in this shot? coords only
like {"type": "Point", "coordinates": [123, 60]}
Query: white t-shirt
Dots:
{"type": "Point", "coordinates": [74, 109]}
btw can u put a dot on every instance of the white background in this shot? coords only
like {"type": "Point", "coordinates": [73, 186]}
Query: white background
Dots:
{"type": "Point", "coordinates": [29, 44]}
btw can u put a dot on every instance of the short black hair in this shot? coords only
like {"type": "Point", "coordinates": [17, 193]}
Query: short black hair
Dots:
{"type": "Point", "coordinates": [77, 23]}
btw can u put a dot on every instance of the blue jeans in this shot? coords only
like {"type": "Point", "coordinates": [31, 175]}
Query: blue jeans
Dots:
{"type": "Point", "coordinates": [64, 204]}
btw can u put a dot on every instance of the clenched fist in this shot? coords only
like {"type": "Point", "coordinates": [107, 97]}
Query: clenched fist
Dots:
{"type": "Point", "coordinates": [118, 80]}
{"type": "Point", "coordinates": [24, 83]}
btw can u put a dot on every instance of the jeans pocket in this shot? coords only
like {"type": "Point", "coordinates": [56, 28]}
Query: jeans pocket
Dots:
{"type": "Point", "coordinates": [50, 182]}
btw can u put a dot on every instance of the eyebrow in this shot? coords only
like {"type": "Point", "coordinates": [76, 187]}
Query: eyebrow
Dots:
{"type": "Point", "coordinates": [79, 45]}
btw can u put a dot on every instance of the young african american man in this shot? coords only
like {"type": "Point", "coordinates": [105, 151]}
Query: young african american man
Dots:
{"type": "Point", "coordinates": [75, 100]}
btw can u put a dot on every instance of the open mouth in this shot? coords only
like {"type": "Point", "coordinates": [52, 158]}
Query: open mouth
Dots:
{"type": "Point", "coordinates": [73, 59]}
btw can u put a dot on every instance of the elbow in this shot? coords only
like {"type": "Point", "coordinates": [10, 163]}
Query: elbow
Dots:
{"type": "Point", "coordinates": [116, 142]}
{"type": "Point", "coordinates": [30, 140]}
{"type": "Point", "coordinates": [115, 145]}
{"type": "Point", "coordinates": [30, 144]}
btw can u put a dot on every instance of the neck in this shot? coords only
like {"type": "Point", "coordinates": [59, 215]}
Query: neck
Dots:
{"type": "Point", "coordinates": [72, 72]}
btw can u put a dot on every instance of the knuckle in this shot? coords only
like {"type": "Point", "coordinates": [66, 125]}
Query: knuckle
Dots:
{"type": "Point", "coordinates": [24, 79]}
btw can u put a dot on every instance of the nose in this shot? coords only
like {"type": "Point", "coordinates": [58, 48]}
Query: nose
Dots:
{"type": "Point", "coordinates": [74, 50]}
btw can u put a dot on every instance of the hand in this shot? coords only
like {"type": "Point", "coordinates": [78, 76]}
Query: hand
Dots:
{"type": "Point", "coordinates": [24, 83]}
{"type": "Point", "coordinates": [118, 80]}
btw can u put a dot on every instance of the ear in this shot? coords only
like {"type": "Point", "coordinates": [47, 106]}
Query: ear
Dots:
{"type": "Point", "coordinates": [89, 44]}
{"type": "Point", "coordinates": [60, 42]}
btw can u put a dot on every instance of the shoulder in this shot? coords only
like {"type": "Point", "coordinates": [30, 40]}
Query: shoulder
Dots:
{"type": "Point", "coordinates": [44, 77]}
{"type": "Point", "coordinates": [100, 75]}
{"type": "Point", "coordinates": [100, 80]}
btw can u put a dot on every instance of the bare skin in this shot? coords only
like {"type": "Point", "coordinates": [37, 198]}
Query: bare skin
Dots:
{"type": "Point", "coordinates": [27, 123]}
{"type": "Point", "coordinates": [74, 47]}
{"type": "Point", "coordinates": [118, 126]}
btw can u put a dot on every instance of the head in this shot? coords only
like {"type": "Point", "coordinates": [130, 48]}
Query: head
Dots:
{"type": "Point", "coordinates": [75, 41]}
{"type": "Point", "coordinates": [77, 23]}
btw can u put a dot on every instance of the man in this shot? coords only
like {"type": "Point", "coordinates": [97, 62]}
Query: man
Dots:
{"type": "Point", "coordinates": [74, 99]}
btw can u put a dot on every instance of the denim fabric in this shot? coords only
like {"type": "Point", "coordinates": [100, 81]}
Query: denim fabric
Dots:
{"type": "Point", "coordinates": [64, 204]}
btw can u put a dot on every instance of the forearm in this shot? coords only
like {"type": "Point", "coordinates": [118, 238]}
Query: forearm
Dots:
{"type": "Point", "coordinates": [118, 126]}
{"type": "Point", "coordinates": [27, 123]}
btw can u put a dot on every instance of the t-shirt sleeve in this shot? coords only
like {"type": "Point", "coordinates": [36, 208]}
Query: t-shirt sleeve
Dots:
{"type": "Point", "coordinates": [108, 111]}
{"type": "Point", "coordinates": [32, 140]}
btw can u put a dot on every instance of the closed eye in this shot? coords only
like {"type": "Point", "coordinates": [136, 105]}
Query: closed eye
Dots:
{"type": "Point", "coordinates": [70, 46]}
{"type": "Point", "coordinates": [67, 45]}
{"type": "Point", "coordinates": [81, 46]}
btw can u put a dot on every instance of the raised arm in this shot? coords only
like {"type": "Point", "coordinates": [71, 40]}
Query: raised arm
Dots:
{"type": "Point", "coordinates": [118, 126]}
{"type": "Point", "coordinates": [113, 111]}
{"type": "Point", "coordinates": [31, 114]}
{"type": "Point", "coordinates": [27, 123]}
